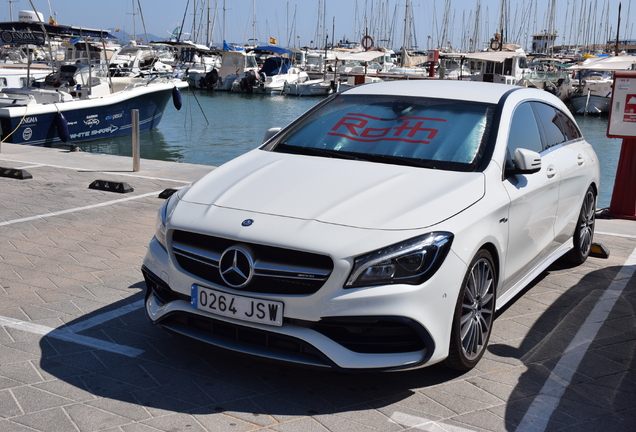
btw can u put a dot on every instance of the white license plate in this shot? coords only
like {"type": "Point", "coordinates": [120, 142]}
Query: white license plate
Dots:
{"type": "Point", "coordinates": [238, 307]}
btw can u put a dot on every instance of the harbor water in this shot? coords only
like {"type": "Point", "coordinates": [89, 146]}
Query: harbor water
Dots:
{"type": "Point", "coordinates": [214, 127]}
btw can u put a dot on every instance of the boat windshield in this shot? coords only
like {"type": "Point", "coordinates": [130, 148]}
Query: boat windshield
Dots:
{"type": "Point", "coordinates": [416, 131]}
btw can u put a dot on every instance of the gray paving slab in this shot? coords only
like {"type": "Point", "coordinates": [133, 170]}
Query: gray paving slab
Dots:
{"type": "Point", "coordinates": [70, 257]}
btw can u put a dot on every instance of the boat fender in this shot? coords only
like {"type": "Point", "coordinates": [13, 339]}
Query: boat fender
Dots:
{"type": "Point", "coordinates": [176, 98]}
{"type": "Point", "coordinates": [62, 126]}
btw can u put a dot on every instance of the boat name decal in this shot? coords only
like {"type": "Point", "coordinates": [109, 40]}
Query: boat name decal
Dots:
{"type": "Point", "coordinates": [15, 36]}
{"type": "Point", "coordinates": [115, 116]}
{"type": "Point", "coordinates": [366, 128]}
{"type": "Point", "coordinates": [107, 130]}
{"type": "Point", "coordinates": [91, 122]}
{"type": "Point", "coordinates": [30, 120]}
{"type": "Point", "coordinates": [27, 134]}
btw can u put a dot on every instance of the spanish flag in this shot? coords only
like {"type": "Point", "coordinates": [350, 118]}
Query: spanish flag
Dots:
{"type": "Point", "coordinates": [52, 20]}
{"type": "Point", "coordinates": [272, 41]}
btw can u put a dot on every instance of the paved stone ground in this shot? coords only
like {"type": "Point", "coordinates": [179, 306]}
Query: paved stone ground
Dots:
{"type": "Point", "coordinates": [77, 353]}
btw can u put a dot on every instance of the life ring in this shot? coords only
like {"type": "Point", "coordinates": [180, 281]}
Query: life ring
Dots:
{"type": "Point", "coordinates": [367, 42]}
{"type": "Point", "coordinates": [495, 44]}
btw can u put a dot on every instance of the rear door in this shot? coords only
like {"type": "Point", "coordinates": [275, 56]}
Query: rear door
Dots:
{"type": "Point", "coordinates": [564, 140]}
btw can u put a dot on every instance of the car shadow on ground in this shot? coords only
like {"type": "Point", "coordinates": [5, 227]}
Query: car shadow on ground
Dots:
{"type": "Point", "coordinates": [602, 392]}
{"type": "Point", "coordinates": [177, 374]}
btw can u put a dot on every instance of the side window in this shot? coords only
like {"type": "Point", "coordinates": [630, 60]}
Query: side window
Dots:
{"type": "Point", "coordinates": [570, 128]}
{"type": "Point", "coordinates": [524, 131]}
{"type": "Point", "coordinates": [549, 119]}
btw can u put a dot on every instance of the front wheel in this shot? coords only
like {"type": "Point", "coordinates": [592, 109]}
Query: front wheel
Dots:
{"type": "Point", "coordinates": [584, 231]}
{"type": "Point", "coordinates": [474, 314]}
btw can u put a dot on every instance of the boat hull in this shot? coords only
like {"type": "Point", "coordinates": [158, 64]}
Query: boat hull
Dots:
{"type": "Point", "coordinates": [90, 119]}
{"type": "Point", "coordinates": [591, 105]}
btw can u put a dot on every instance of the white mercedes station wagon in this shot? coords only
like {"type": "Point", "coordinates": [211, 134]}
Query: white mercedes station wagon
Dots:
{"type": "Point", "coordinates": [381, 230]}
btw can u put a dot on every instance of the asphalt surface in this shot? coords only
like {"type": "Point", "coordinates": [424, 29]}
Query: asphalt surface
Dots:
{"type": "Point", "coordinates": [78, 354]}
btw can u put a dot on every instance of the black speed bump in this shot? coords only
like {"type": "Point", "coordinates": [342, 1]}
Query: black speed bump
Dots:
{"type": "Point", "coordinates": [19, 174]}
{"type": "Point", "coordinates": [110, 186]}
{"type": "Point", "coordinates": [167, 193]}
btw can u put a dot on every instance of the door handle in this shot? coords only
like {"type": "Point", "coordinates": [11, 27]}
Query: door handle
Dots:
{"type": "Point", "coordinates": [580, 159]}
{"type": "Point", "coordinates": [551, 171]}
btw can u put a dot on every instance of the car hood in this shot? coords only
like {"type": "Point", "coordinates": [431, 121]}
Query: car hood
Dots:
{"type": "Point", "coordinates": [335, 191]}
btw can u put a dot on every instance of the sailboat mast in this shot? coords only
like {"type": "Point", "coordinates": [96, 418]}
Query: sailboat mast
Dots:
{"type": "Point", "coordinates": [618, 27]}
{"type": "Point", "coordinates": [134, 21]}
{"type": "Point", "coordinates": [406, 24]}
{"type": "Point", "coordinates": [207, 27]}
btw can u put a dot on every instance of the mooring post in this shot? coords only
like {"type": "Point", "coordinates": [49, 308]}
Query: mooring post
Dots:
{"type": "Point", "coordinates": [135, 140]}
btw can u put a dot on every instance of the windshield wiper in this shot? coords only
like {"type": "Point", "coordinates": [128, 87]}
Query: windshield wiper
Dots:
{"type": "Point", "coordinates": [399, 160]}
{"type": "Point", "coordinates": [312, 151]}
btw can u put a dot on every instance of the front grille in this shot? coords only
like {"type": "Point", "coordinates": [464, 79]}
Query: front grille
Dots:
{"type": "Point", "coordinates": [245, 339]}
{"type": "Point", "coordinates": [276, 270]}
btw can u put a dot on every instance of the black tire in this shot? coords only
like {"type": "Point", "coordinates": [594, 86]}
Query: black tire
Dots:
{"type": "Point", "coordinates": [584, 231]}
{"type": "Point", "coordinates": [474, 314]}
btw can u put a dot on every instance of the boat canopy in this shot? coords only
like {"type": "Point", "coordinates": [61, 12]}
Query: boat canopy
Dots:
{"type": "Point", "coordinates": [618, 63]}
{"type": "Point", "coordinates": [272, 49]}
{"type": "Point", "coordinates": [492, 56]}
{"type": "Point", "coordinates": [35, 33]}
{"type": "Point", "coordinates": [363, 56]}
{"type": "Point", "coordinates": [275, 66]}
{"type": "Point", "coordinates": [201, 49]}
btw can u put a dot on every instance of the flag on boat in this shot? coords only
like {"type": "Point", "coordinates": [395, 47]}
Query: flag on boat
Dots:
{"type": "Point", "coordinates": [52, 20]}
{"type": "Point", "coordinates": [272, 41]}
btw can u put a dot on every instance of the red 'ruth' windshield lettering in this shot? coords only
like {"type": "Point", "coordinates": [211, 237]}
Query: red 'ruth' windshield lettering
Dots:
{"type": "Point", "coordinates": [357, 127]}
{"type": "Point", "coordinates": [414, 129]}
{"type": "Point", "coordinates": [351, 127]}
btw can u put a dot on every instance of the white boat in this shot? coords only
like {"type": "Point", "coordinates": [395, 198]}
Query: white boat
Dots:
{"type": "Point", "coordinates": [191, 61]}
{"type": "Point", "coordinates": [17, 71]}
{"type": "Point", "coordinates": [315, 87]}
{"type": "Point", "coordinates": [272, 77]}
{"type": "Point", "coordinates": [550, 75]}
{"type": "Point", "coordinates": [593, 92]}
{"type": "Point", "coordinates": [233, 65]}
{"type": "Point", "coordinates": [363, 62]}
{"type": "Point", "coordinates": [504, 67]}
{"type": "Point", "coordinates": [138, 61]}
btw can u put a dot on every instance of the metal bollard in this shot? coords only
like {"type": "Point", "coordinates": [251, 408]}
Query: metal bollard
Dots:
{"type": "Point", "coordinates": [135, 140]}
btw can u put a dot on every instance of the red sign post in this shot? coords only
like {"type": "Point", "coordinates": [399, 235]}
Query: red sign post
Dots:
{"type": "Point", "coordinates": [622, 124]}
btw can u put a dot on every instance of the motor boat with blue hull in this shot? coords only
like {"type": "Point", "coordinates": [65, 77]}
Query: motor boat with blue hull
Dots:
{"type": "Point", "coordinates": [36, 116]}
{"type": "Point", "coordinates": [79, 101]}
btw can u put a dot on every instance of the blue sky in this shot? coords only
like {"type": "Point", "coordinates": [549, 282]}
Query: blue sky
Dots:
{"type": "Point", "coordinates": [275, 18]}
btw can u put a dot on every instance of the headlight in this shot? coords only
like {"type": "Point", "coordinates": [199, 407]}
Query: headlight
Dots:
{"type": "Point", "coordinates": [409, 262]}
{"type": "Point", "coordinates": [164, 214]}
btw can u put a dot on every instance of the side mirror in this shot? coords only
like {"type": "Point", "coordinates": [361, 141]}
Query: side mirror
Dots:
{"type": "Point", "coordinates": [525, 162]}
{"type": "Point", "coordinates": [270, 133]}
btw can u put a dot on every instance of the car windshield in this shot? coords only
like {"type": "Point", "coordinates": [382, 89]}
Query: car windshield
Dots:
{"type": "Point", "coordinates": [416, 131]}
